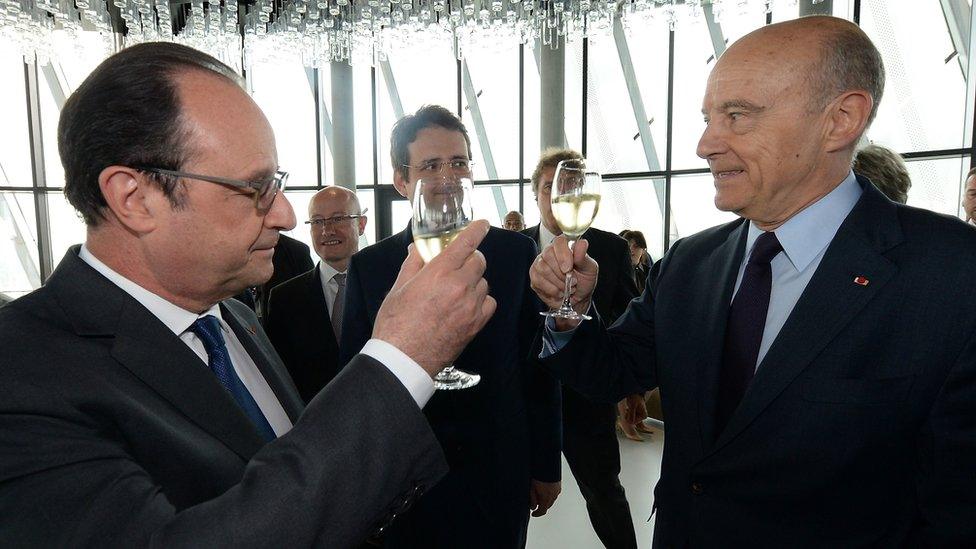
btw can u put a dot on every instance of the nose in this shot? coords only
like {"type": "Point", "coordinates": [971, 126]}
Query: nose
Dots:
{"type": "Point", "coordinates": [711, 142]}
{"type": "Point", "coordinates": [281, 216]}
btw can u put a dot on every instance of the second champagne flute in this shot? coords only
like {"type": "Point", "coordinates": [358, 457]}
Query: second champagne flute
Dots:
{"type": "Point", "coordinates": [575, 200]}
{"type": "Point", "coordinates": [441, 209]}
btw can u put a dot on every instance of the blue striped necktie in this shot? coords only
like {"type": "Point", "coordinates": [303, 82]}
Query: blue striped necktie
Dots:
{"type": "Point", "coordinates": [207, 328]}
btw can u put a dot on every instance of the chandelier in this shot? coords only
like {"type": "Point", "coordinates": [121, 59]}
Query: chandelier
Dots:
{"type": "Point", "coordinates": [323, 31]}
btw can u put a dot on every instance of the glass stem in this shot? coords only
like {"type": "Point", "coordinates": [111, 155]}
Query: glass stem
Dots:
{"type": "Point", "coordinates": [569, 280]}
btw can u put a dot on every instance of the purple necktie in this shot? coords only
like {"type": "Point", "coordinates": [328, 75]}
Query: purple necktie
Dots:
{"type": "Point", "coordinates": [744, 332]}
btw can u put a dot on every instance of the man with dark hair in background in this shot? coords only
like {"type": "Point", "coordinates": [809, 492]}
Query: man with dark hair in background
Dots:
{"type": "Point", "coordinates": [304, 317]}
{"type": "Point", "coordinates": [139, 405]}
{"type": "Point", "coordinates": [817, 357]}
{"type": "Point", "coordinates": [885, 169]}
{"type": "Point", "coordinates": [501, 437]}
{"type": "Point", "coordinates": [589, 428]}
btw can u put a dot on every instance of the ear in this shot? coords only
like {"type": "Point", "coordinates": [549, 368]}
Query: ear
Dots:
{"type": "Point", "coordinates": [848, 119]}
{"type": "Point", "coordinates": [400, 183]}
{"type": "Point", "coordinates": [362, 225]}
{"type": "Point", "coordinates": [131, 197]}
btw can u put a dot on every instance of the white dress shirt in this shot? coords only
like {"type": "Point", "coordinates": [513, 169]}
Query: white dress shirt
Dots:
{"type": "Point", "coordinates": [329, 285]}
{"type": "Point", "coordinates": [407, 371]}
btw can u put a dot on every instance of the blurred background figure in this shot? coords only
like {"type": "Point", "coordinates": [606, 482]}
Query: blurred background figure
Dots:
{"type": "Point", "coordinates": [639, 258]}
{"type": "Point", "coordinates": [969, 196]}
{"type": "Point", "coordinates": [886, 169]}
{"type": "Point", "coordinates": [514, 221]}
{"type": "Point", "coordinates": [304, 315]}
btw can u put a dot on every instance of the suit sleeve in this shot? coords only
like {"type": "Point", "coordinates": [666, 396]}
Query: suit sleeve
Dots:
{"type": "Point", "coordinates": [946, 483]}
{"type": "Point", "coordinates": [607, 365]}
{"type": "Point", "coordinates": [72, 482]}
{"type": "Point", "coordinates": [544, 397]}
{"type": "Point", "coordinates": [357, 324]}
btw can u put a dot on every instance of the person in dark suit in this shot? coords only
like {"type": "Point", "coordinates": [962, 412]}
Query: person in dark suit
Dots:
{"type": "Point", "coordinates": [139, 405]}
{"type": "Point", "coordinates": [304, 315]}
{"type": "Point", "coordinates": [501, 437]}
{"type": "Point", "coordinates": [589, 432]}
{"type": "Point", "coordinates": [816, 358]}
{"type": "Point", "coordinates": [291, 258]}
{"type": "Point", "coordinates": [639, 257]}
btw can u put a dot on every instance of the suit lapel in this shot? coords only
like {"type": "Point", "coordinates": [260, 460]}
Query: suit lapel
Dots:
{"type": "Point", "coordinates": [270, 365]}
{"type": "Point", "coordinates": [163, 362]}
{"type": "Point", "coordinates": [724, 262]}
{"type": "Point", "coordinates": [830, 301]}
{"type": "Point", "coordinates": [319, 310]}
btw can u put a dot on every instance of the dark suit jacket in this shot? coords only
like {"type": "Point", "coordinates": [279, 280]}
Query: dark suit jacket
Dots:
{"type": "Point", "coordinates": [298, 324]}
{"type": "Point", "coordinates": [113, 433]}
{"type": "Point", "coordinates": [615, 287]}
{"type": "Point", "coordinates": [858, 428]}
{"type": "Point", "coordinates": [291, 258]}
{"type": "Point", "coordinates": [496, 435]}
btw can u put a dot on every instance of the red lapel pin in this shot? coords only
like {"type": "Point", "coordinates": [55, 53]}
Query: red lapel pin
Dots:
{"type": "Point", "coordinates": [253, 330]}
{"type": "Point", "coordinates": [861, 281]}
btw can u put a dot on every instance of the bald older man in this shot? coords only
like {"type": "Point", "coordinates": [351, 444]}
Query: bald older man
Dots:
{"type": "Point", "coordinates": [817, 357]}
{"type": "Point", "coordinates": [304, 318]}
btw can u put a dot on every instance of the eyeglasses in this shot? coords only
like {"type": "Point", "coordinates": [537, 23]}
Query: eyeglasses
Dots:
{"type": "Point", "coordinates": [320, 223]}
{"type": "Point", "coordinates": [264, 191]}
{"type": "Point", "coordinates": [458, 165]}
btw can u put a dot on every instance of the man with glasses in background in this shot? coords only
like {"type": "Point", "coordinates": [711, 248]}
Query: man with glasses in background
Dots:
{"type": "Point", "coordinates": [501, 437]}
{"type": "Point", "coordinates": [304, 317]}
{"type": "Point", "coordinates": [139, 405]}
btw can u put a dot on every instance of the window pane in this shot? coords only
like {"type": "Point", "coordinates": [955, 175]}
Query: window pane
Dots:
{"type": "Point", "coordinates": [694, 57]}
{"type": "Point", "coordinates": [530, 210]}
{"type": "Point", "coordinates": [363, 106]}
{"type": "Point", "coordinates": [424, 74]}
{"type": "Point", "coordinates": [492, 202]}
{"type": "Point", "coordinates": [613, 136]}
{"type": "Point", "coordinates": [937, 184]}
{"type": "Point", "coordinates": [67, 228]}
{"type": "Point", "coordinates": [19, 271]}
{"type": "Point", "coordinates": [495, 78]}
{"type": "Point", "coordinates": [74, 58]}
{"type": "Point", "coordinates": [633, 205]}
{"type": "Point", "coordinates": [573, 95]}
{"type": "Point", "coordinates": [280, 86]}
{"type": "Point", "coordinates": [15, 160]}
{"type": "Point", "coordinates": [693, 206]}
{"type": "Point", "coordinates": [923, 107]}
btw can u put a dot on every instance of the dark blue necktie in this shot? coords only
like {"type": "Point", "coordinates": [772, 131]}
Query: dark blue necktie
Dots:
{"type": "Point", "coordinates": [207, 328]}
{"type": "Point", "coordinates": [744, 332]}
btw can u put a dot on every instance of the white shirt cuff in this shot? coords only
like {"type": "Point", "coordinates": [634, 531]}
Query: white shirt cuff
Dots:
{"type": "Point", "coordinates": [417, 381]}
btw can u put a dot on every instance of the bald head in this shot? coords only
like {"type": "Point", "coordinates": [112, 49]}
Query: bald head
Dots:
{"type": "Point", "coordinates": [831, 54]}
{"type": "Point", "coordinates": [336, 225]}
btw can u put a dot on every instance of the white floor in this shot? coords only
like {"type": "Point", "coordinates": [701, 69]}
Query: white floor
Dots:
{"type": "Point", "coordinates": [567, 526]}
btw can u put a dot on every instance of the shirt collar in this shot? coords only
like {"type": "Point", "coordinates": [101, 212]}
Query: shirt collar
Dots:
{"type": "Point", "coordinates": [808, 233]}
{"type": "Point", "coordinates": [327, 272]}
{"type": "Point", "coordinates": [545, 236]}
{"type": "Point", "coordinates": [173, 316]}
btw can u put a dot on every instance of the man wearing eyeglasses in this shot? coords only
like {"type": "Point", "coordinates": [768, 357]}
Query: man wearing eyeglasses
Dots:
{"type": "Point", "coordinates": [140, 406]}
{"type": "Point", "coordinates": [501, 437]}
{"type": "Point", "coordinates": [304, 318]}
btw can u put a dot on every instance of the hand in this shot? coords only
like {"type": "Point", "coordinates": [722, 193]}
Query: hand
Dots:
{"type": "Point", "coordinates": [632, 409]}
{"type": "Point", "coordinates": [548, 277]}
{"type": "Point", "coordinates": [542, 495]}
{"type": "Point", "coordinates": [434, 310]}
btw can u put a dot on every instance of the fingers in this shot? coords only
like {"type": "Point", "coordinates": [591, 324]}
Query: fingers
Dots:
{"type": "Point", "coordinates": [410, 267]}
{"type": "Point", "coordinates": [456, 253]}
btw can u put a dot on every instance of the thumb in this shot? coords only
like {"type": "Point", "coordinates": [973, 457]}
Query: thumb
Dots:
{"type": "Point", "coordinates": [579, 255]}
{"type": "Point", "coordinates": [410, 267]}
{"type": "Point", "coordinates": [457, 252]}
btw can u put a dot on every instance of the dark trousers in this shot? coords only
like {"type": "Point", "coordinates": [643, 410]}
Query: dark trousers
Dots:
{"type": "Point", "coordinates": [591, 449]}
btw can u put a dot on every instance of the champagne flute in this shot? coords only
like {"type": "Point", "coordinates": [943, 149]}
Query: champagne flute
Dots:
{"type": "Point", "coordinates": [441, 209]}
{"type": "Point", "coordinates": [575, 199]}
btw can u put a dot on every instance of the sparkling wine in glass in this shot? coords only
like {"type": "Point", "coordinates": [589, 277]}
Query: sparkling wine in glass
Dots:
{"type": "Point", "coordinates": [441, 210]}
{"type": "Point", "coordinates": [575, 200]}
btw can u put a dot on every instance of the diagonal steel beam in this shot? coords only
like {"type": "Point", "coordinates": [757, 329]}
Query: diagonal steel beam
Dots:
{"type": "Point", "coordinates": [958, 16]}
{"type": "Point", "coordinates": [471, 95]}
